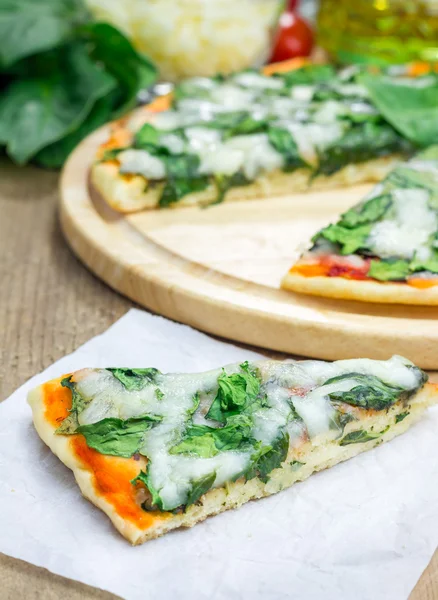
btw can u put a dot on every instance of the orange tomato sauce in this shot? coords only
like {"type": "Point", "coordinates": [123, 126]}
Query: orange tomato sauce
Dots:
{"type": "Point", "coordinates": [111, 475]}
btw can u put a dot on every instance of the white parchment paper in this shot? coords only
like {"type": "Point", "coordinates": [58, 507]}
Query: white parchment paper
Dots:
{"type": "Point", "coordinates": [364, 529]}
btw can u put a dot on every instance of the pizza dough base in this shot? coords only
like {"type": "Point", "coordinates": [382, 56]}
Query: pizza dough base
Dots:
{"type": "Point", "coordinates": [317, 455]}
{"type": "Point", "coordinates": [365, 291]}
{"type": "Point", "coordinates": [129, 194]}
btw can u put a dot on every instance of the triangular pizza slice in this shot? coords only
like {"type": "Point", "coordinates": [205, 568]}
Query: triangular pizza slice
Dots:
{"type": "Point", "coordinates": [384, 249]}
{"type": "Point", "coordinates": [160, 451]}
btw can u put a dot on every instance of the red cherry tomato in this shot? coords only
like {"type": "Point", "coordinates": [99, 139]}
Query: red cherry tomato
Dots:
{"type": "Point", "coordinates": [291, 5]}
{"type": "Point", "coordinates": [294, 38]}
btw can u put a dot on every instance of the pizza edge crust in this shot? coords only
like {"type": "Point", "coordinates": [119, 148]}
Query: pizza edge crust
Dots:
{"type": "Point", "coordinates": [130, 194]}
{"type": "Point", "coordinates": [320, 456]}
{"type": "Point", "coordinates": [364, 291]}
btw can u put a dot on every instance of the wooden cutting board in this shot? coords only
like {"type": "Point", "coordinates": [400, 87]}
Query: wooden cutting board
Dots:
{"type": "Point", "coordinates": [219, 269]}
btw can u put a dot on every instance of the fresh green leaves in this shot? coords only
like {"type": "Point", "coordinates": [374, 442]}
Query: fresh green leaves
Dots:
{"type": "Point", "coordinates": [370, 393]}
{"type": "Point", "coordinates": [359, 437]}
{"type": "Point", "coordinates": [308, 75]}
{"type": "Point", "coordinates": [135, 379]}
{"type": "Point", "coordinates": [389, 269]}
{"type": "Point", "coordinates": [282, 140]}
{"type": "Point", "coordinates": [362, 142]}
{"type": "Point", "coordinates": [146, 136]}
{"type": "Point", "coordinates": [155, 500]}
{"type": "Point", "coordinates": [267, 458]}
{"type": "Point", "coordinates": [368, 212]}
{"type": "Point", "coordinates": [234, 394]}
{"type": "Point", "coordinates": [205, 442]}
{"type": "Point", "coordinates": [349, 240]}
{"type": "Point", "coordinates": [117, 437]}
{"type": "Point", "coordinates": [70, 424]}
{"type": "Point", "coordinates": [199, 487]}
{"type": "Point", "coordinates": [65, 76]}
{"type": "Point", "coordinates": [28, 27]}
{"type": "Point", "coordinates": [410, 105]}
{"type": "Point", "coordinates": [401, 416]}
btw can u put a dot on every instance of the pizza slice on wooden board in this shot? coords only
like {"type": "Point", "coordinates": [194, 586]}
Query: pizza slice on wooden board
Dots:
{"type": "Point", "coordinates": [156, 452]}
{"type": "Point", "coordinates": [257, 135]}
{"type": "Point", "coordinates": [384, 249]}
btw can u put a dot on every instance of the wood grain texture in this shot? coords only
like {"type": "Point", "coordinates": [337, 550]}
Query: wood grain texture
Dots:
{"type": "Point", "coordinates": [49, 305]}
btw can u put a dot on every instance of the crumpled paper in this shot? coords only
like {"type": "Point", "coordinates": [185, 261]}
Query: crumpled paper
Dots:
{"type": "Point", "coordinates": [363, 529]}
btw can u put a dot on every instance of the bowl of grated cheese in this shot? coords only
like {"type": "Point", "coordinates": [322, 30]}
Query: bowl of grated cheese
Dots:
{"type": "Point", "coordinates": [196, 37]}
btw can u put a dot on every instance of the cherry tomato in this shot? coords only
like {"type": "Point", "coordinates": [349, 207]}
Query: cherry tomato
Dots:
{"type": "Point", "coordinates": [291, 5]}
{"type": "Point", "coordinates": [294, 38]}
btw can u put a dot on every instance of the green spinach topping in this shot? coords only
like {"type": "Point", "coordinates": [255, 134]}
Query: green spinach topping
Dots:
{"type": "Point", "coordinates": [359, 437]}
{"type": "Point", "coordinates": [134, 379]}
{"type": "Point", "coordinates": [401, 416]}
{"type": "Point", "coordinates": [78, 403]}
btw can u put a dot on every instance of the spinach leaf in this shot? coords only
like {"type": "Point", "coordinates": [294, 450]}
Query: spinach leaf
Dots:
{"type": "Point", "coordinates": [389, 269]}
{"type": "Point", "coordinates": [307, 75]}
{"type": "Point", "coordinates": [244, 125]}
{"type": "Point", "coordinates": [358, 437]}
{"type": "Point", "coordinates": [205, 442]}
{"type": "Point", "coordinates": [267, 458]}
{"type": "Point", "coordinates": [177, 188]}
{"type": "Point", "coordinates": [146, 136]}
{"type": "Point", "coordinates": [401, 416]}
{"type": "Point", "coordinates": [368, 212]}
{"type": "Point", "coordinates": [349, 240]}
{"type": "Point", "coordinates": [144, 477]}
{"type": "Point", "coordinates": [54, 155]}
{"type": "Point", "coordinates": [226, 182]}
{"type": "Point", "coordinates": [70, 424]}
{"type": "Point", "coordinates": [234, 393]}
{"type": "Point", "coordinates": [134, 379]}
{"type": "Point", "coordinates": [111, 49]}
{"type": "Point", "coordinates": [117, 437]}
{"type": "Point", "coordinates": [199, 487]}
{"type": "Point", "coordinates": [360, 143]}
{"type": "Point", "coordinates": [283, 141]}
{"type": "Point", "coordinates": [370, 393]}
{"type": "Point", "coordinates": [39, 111]}
{"type": "Point", "coordinates": [28, 27]}
{"type": "Point", "coordinates": [409, 105]}
{"type": "Point", "coordinates": [431, 264]}
{"type": "Point", "coordinates": [405, 177]}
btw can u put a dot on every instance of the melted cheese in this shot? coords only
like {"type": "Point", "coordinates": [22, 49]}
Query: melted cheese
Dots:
{"type": "Point", "coordinates": [141, 163]}
{"type": "Point", "coordinates": [288, 386]}
{"type": "Point", "coordinates": [409, 228]}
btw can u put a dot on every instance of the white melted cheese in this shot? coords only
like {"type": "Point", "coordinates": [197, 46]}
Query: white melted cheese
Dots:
{"type": "Point", "coordinates": [232, 97]}
{"type": "Point", "coordinates": [258, 82]}
{"type": "Point", "coordinates": [173, 143]}
{"type": "Point", "coordinates": [302, 93]}
{"type": "Point", "coordinates": [258, 154]}
{"type": "Point", "coordinates": [410, 228]}
{"type": "Point", "coordinates": [287, 385]}
{"type": "Point", "coordinates": [142, 163]}
{"type": "Point", "coordinates": [313, 137]}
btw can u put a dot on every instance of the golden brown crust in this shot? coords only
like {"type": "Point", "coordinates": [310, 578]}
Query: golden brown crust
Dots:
{"type": "Point", "coordinates": [362, 290]}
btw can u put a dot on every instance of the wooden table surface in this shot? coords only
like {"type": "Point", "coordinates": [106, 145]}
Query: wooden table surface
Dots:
{"type": "Point", "coordinates": [49, 305]}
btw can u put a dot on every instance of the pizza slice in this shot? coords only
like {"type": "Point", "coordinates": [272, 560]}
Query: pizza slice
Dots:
{"type": "Point", "coordinates": [156, 452]}
{"type": "Point", "coordinates": [385, 249]}
{"type": "Point", "coordinates": [257, 135]}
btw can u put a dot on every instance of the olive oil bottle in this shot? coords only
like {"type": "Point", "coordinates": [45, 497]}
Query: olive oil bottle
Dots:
{"type": "Point", "coordinates": [379, 31]}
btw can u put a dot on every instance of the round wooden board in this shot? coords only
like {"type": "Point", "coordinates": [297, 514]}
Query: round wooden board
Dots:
{"type": "Point", "coordinates": [219, 269]}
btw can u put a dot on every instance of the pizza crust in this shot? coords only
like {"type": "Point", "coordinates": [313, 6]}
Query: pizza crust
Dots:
{"type": "Point", "coordinates": [317, 455]}
{"type": "Point", "coordinates": [130, 194]}
{"type": "Point", "coordinates": [362, 290]}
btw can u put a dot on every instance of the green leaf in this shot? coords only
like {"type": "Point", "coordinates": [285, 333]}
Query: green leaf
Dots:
{"type": "Point", "coordinates": [117, 437]}
{"type": "Point", "coordinates": [134, 379]}
{"type": "Point", "coordinates": [199, 487]}
{"type": "Point", "coordinates": [54, 155]}
{"type": "Point", "coordinates": [370, 393]}
{"type": "Point", "coordinates": [284, 143]}
{"type": "Point", "coordinates": [404, 176]}
{"type": "Point", "coordinates": [389, 269]}
{"type": "Point", "coordinates": [360, 143]}
{"type": "Point", "coordinates": [349, 240]}
{"type": "Point", "coordinates": [146, 136]}
{"type": "Point", "coordinates": [37, 112]}
{"type": "Point", "coordinates": [175, 189]}
{"type": "Point", "coordinates": [144, 477]}
{"type": "Point", "coordinates": [226, 182]}
{"type": "Point", "coordinates": [268, 458]}
{"type": "Point", "coordinates": [358, 437]}
{"type": "Point", "coordinates": [205, 442]}
{"type": "Point", "coordinates": [234, 393]}
{"type": "Point", "coordinates": [431, 264]}
{"type": "Point", "coordinates": [70, 424]}
{"type": "Point", "coordinates": [401, 416]}
{"type": "Point", "coordinates": [308, 75]}
{"type": "Point", "coordinates": [31, 26]}
{"type": "Point", "coordinates": [368, 212]}
{"type": "Point", "coordinates": [410, 105]}
{"type": "Point", "coordinates": [132, 70]}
